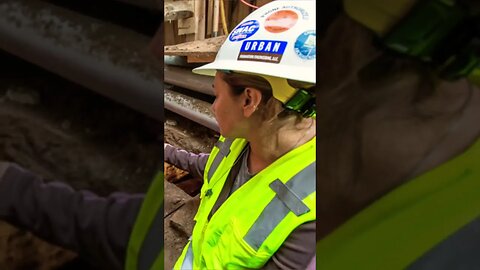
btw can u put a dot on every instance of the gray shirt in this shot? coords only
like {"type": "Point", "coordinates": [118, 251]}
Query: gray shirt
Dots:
{"type": "Point", "coordinates": [243, 174]}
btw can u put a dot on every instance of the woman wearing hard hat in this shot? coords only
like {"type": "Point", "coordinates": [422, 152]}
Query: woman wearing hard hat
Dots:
{"type": "Point", "coordinates": [258, 197]}
{"type": "Point", "coordinates": [257, 204]}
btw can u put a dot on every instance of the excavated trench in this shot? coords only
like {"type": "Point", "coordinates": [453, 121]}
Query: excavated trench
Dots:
{"type": "Point", "coordinates": [182, 203]}
{"type": "Point", "coordinates": [94, 119]}
{"type": "Point", "coordinates": [66, 131]}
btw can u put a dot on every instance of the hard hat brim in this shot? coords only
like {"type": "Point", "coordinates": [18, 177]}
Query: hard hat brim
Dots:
{"type": "Point", "coordinates": [297, 73]}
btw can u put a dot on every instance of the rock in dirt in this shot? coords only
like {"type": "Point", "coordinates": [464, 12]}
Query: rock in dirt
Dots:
{"type": "Point", "coordinates": [121, 152]}
{"type": "Point", "coordinates": [180, 209]}
{"type": "Point", "coordinates": [21, 250]}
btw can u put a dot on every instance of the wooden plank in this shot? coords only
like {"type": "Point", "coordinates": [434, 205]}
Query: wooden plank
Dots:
{"type": "Point", "coordinates": [239, 13]}
{"type": "Point", "coordinates": [216, 17]}
{"type": "Point", "coordinates": [190, 37]}
{"type": "Point", "coordinates": [171, 33]}
{"type": "Point", "coordinates": [200, 22]}
{"type": "Point", "coordinates": [200, 58]}
{"type": "Point", "coordinates": [204, 49]}
{"type": "Point", "coordinates": [187, 26]}
{"type": "Point", "coordinates": [228, 14]}
{"type": "Point", "coordinates": [209, 15]}
{"type": "Point", "coordinates": [194, 28]}
{"type": "Point", "coordinates": [176, 10]}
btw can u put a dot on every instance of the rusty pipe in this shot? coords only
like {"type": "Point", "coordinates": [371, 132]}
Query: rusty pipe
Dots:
{"type": "Point", "coordinates": [190, 108]}
{"type": "Point", "coordinates": [186, 79]}
{"type": "Point", "coordinates": [107, 59]}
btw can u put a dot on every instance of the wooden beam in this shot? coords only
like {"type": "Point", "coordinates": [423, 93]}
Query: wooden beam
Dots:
{"type": "Point", "coordinates": [194, 28]}
{"type": "Point", "coordinates": [228, 14]}
{"type": "Point", "coordinates": [171, 33]}
{"type": "Point", "coordinates": [200, 58]}
{"type": "Point", "coordinates": [176, 10]}
{"type": "Point", "coordinates": [239, 13]}
{"type": "Point", "coordinates": [199, 50]}
{"type": "Point", "coordinates": [200, 22]}
{"type": "Point", "coordinates": [187, 26]}
{"type": "Point", "coordinates": [209, 15]}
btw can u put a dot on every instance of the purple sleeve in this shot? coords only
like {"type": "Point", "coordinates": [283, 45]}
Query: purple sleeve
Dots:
{"type": "Point", "coordinates": [190, 162]}
{"type": "Point", "coordinates": [312, 264]}
{"type": "Point", "coordinates": [97, 228]}
{"type": "Point", "coordinates": [298, 250]}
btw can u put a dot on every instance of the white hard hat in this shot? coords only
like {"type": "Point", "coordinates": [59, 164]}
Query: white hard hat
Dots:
{"type": "Point", "coordinates": [278, 39]}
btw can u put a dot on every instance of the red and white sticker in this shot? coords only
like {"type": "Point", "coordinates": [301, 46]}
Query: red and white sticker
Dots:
{"type": "Point", "coordinates": [280, 21]}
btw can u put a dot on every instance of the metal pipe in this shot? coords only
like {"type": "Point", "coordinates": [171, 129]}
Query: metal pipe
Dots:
{"type": "Point", "coordinates": [175, 60]}
{"type": "Point", "coordinates": [216, 13]}
{"type": "Point", "coordinates": [190, 108]}
{"type": "Point", "coordinates": [186, 79]}
{"type": "Point", "coordinates": [107, 59]}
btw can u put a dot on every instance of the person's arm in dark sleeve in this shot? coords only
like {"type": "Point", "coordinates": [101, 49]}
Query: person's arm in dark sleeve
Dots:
{"type": "Point", "coordinates": [190, 162]}
{"type": "Point", "coordinates": [97, 228]}
{"type": "Point", "coordinates": [297, 251]}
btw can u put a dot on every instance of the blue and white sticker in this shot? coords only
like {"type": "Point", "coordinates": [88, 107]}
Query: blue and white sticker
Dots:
{"type": "Point", "coordinates": [306, 45]}
{"type": "Point", "coordinates": [269, 51]}
{"type": "Point", "coordinates": [244, 30]}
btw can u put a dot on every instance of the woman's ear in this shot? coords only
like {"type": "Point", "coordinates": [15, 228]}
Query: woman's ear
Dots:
{"type": "Point", "coordinates": [252, 98]}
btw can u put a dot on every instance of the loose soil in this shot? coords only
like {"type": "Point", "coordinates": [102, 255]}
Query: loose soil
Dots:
{"type": "Point", "coordinates": [181, 199]}
{"type": "Point", "coordinates": [64, 132]}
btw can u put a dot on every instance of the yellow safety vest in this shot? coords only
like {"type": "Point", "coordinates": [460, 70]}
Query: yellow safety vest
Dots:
{"type": "Point", "coordinates": [145, 247]}
{"type": "Point", "coordinates": [251, 225]}
{"type": "Point", "coordinates": [431, 222]}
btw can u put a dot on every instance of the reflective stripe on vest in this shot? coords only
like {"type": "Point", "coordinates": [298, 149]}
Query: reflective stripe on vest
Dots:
{"type": "Point", "coordinates": [219, 242]}
{"type": "Point", "coordinates": [187, 263]}
{"type": "Point", "coordinates": [145, 247]}
{"type": "Point", "coordinates": [153, 243]}
{"type": "Point", "coordinates": [224, 150]}
{"type": "Point", "coordinates": [288, 198]}
{"type": "Point", "coordinates": [459, 251]}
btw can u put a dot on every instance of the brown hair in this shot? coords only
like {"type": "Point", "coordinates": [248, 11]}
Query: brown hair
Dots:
{"type": "Point", "coordinates": [287, 126]}
{"type": "Point", "coordinates": [240, 81]}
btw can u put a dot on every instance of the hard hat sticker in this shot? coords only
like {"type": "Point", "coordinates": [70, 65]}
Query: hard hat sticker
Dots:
{"type": "Point", "coordinates": [306, 45]}
{"type": "Point", "coordinates": [281, 21]}
{"type": "Point", "coordinates": [303, 12]}
{"type": "Point", "coordinates": [270, 51]}
{"type": "Point", "coordinates": [244, 30]}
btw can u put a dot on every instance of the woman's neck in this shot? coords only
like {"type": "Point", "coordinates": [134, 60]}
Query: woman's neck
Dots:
{"type": "Point", "coordinates": [266, 148]}
{"type": "Point", "coordinates": [257, 158]}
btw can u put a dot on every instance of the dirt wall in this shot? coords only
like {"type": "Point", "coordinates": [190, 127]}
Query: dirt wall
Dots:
{"type": "Point", "coordinates": [64, 132]}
